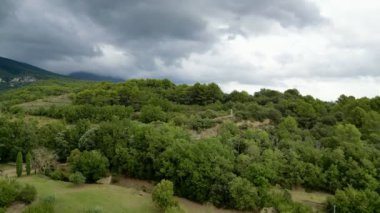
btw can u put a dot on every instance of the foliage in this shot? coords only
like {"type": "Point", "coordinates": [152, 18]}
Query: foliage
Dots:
{"type": "Point", "coordinates": [243, 194]}
{"type": "Point", "coordinates": [91, 164]}
{"type": "Point", "coordinates": [43, 160]}
{"type": "Point", "coordinates": [11, 191]}
{"type": "Point", "coordinates": [162, 195]}
{"type": "Point", "coordinates": [19, 165]}
{"type": "Point", "coordinates": [28, 163]}
{"type": "Point", "coordinates": [94, 210]}
{"type": "Point", "coordinates": [27, 194]}
{"type": "Point", "coordinates": [46, 205]}
{"type": "Point", "coordinates": [144, 129]}
{"type": "Point", "coordinates": [151, 113]}
{"type": "Point", "coordinates": [77, 178]}
{"type": "Point", "coordinates": [57, 174]}
{"type": "Point", "coordinates": [351, 200]}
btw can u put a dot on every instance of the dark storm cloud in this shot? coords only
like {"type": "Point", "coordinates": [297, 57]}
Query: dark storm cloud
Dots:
{"type": "Point", "coordinates": [39, 31]}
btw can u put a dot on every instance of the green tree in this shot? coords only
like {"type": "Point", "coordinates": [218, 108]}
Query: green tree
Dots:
{"type": "Point", "coordinates": [243, 194]}
{"type": "Point", "coordinates": [151, 113]}
{"type": "Point", "coordinates": [92, 164]}
{"type": "Point", "coordinates": [163, 195]}
{"type": "Point", "coordinates": [28, 162]}
{"type": "Point", "coordinates": [19, 164]}
{"type": "Point", "coordinates": [351, 200]}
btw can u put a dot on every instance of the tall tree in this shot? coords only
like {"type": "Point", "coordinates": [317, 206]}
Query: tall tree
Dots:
{"type": "Point", "coordinates": [27, 161]}
{"type": "Point", "coordinates": [19, 164]}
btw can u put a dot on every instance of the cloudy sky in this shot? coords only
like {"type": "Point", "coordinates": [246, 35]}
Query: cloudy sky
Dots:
{"type": "Point", "coordinates": [321, 47]}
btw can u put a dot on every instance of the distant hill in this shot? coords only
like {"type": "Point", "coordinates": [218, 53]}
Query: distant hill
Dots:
{"type": "Point", "coordinates": [14, 73]}
{"type": "Point", "coordinates": [93, 77]}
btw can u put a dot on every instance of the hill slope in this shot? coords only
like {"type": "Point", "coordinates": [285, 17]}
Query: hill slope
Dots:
{"type": "Point", "coordinates": [14, 73]}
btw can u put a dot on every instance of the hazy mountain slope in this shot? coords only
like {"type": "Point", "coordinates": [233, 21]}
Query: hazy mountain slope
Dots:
{"type": "Point", "coordinates": [14, 73]}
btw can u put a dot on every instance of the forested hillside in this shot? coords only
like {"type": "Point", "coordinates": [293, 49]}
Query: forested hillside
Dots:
{"type": "Point", "coordinates": [14, 73]}
{"type": "Point", "coordinates": [238, 150]}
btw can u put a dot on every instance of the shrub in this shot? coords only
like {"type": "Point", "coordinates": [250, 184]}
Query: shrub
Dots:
{"type": "Point", "coordinates": [162, 195]}
{"type": "Point", "coordinates": [77, 178]}
{"type": "Point", "coordinates": [19, 164]}
{"type": "Point", "coordinates": [46, 205]}
{"type": "Point", "coordinates": [49, 199]}
{"type": "Point", "coordinates": [352, 200]}
{"type": "Point", "coordinates": [95, 209]}
{"type": "Point", "coordinates": [56, 175]}
{"type": "Point", "coordinates": [92, 164]}
{"type": "Point", "coordinates": [11, 191]}
{"type": "Point", "coordinates": [27, 194]}
{"type": "Point", "coordinates": [282, 202]}
{"type": "Point", "coordinates": [28, 162]}
{"type": "Point", "coordinates": [243, 194]}
{"type": "Point", "coordinates": [151, 113]}
{"type": "Point", "coordinates": [198, 123]}
{"type": "Point", "coordinates": [8, 192]}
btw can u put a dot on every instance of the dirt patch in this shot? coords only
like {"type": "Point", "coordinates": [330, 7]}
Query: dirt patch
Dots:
{"type": "Point", "coordinates": [106, 180]}
{"type": "Point", "coordinates": [316, 200]}
{"type": "Point", "coordinates": [143, 185]}
{"type": "Point", "coordinates": [16, 208]}
{"type": "Point", "coordinates": [247, 124]}
{"type": "Point", "coordinates": [207, 133]}
{"type": "Point", "coordinates": [8, 170]}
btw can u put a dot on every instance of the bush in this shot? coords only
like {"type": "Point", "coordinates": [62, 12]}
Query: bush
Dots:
{"type": "Point", "coordinates": [27, 194]}
{"type": "Point", "coordinates": [95, 209]}
{"type": "Point", "coordinates": [198, 123]}
{"type": "Point", "coordinates": [56, 175]}
{"type": "Point", "coordinates": [282, 202]}
{"type": "Point", "coordinates": [77, 178]}
{"type": "Point", "coordinates": [50, 199]}
{"type": "Point", "coordinates": [162, 195]}
{"type": "Point", "coordinates": [174, 209]}
{"type": "Point", "coordinates": [92, 164]}
{"type": "Point", "coordinates": [11, 191]}
{"type": "Point", "coordinates": [243, 194]}
{"type": "Point", "coordinates": [151, 113]}
{"type": "Point", "coordinates": [46, 205]}
{"type": "Point", "coordinates": [352, 200]}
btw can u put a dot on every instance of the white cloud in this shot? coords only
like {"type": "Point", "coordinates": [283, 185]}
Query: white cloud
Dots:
{"type": "Point", "coordinates": [341, 56]}
{"type": "Point", "coordinates": [322, 47]}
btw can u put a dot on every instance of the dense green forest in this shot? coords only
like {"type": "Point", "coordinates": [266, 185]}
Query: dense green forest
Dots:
{"type": "Point", "coordinates": [238, 150]}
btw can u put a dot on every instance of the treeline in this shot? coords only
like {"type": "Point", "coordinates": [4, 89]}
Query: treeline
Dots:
{"type": "Point", "coordinates": [141, 128]}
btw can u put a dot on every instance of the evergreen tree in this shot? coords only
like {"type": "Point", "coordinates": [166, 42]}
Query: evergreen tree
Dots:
{"type": "Point", "coordinates": [19, 164]}
{"type": "Point", "coordinates": [27, 161]}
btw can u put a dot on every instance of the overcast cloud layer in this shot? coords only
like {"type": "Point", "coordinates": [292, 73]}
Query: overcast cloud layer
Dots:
{"type": "Point", "coordinates": [321, 47]}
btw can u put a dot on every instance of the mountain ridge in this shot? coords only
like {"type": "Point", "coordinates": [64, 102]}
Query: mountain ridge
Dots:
{"type": "Point", "coordinates": [15, 73]}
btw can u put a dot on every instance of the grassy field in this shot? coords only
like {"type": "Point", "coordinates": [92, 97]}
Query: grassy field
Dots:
{"type": "Point", "coordinates": [46, 102]}
{"type": "Point", "coordinates": [126, 196]}
{"type": "Point", "coordinates": [313, 199]}
{"type": "Point", "coordinates": [108, 198]}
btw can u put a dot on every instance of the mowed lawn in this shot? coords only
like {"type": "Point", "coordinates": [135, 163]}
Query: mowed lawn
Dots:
{"type": "Point", "coordinates": [108, 198]}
